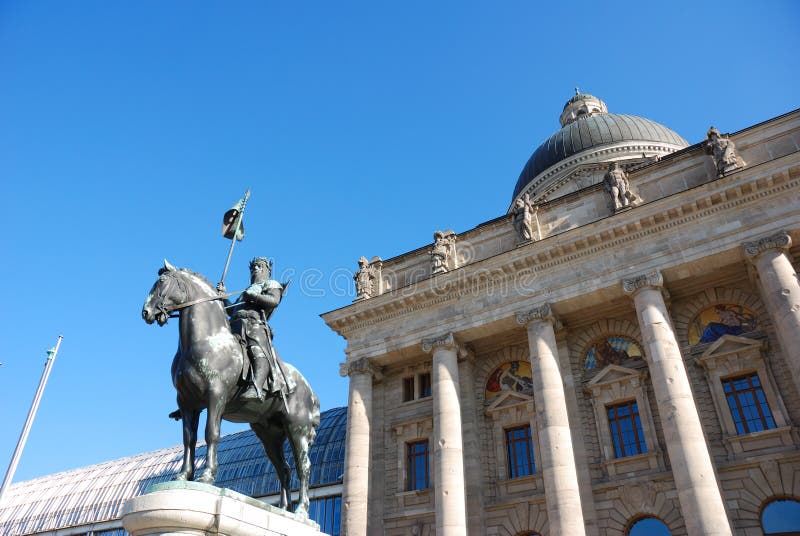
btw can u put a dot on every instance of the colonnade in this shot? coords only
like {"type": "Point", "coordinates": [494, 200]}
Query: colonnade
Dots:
{"type": "Point", "coordinates": [693, 471]}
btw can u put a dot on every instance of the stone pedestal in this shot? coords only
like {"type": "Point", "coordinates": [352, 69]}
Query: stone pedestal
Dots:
{"type": "Point", "coordinates": [192, 508]}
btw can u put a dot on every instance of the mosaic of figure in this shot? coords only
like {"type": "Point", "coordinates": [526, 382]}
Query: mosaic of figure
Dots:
{"type": "Point", "coordinates": [614, 350]}
{"type": "Point", "coordinates": [443, 252]}
{"type": "Point", "coordinates": [513, 376]}
{"type": "Point", "coordinates": [722, 319]}
{"type": "Point", "coordinates": [723, 150]}
{"type": "Point", "coordinates": [524, 219]}
{"type": "Point", "coordinates": [616, 184]}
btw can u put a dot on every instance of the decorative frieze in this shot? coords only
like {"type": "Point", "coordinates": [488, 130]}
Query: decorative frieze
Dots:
{"type": "Point", "coordinates": [780, 241]}
{"type": "Point", "coordinates": [652, 279]}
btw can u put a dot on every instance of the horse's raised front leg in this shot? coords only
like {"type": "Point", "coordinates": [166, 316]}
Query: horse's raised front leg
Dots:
{"type": "Point", "coordinates": [300, 439]}
{"type": "Point", "coordinates": [189, 418]}
{"type": "Point", "coordinates": [215, 408]}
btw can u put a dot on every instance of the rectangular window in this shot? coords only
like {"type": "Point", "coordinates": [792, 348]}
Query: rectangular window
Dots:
{"type": "Point", "coordinates": [326, 512]}
{"type": "Point", "coordinates": [417, 465]}
{"type": "Point", "coordinates": [520, 452]}
{"type": "Point", "coordinates": [408, 389]}
{"type": "Point", "coordinates": [425, 385]}
{"type": "Point", "coordinates": [626, 429]}
{"type": "Point", "coordinates": [748, 404]}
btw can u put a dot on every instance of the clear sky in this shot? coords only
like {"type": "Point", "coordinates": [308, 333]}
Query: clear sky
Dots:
{"type": "Point", "coordinates": [128, 128]}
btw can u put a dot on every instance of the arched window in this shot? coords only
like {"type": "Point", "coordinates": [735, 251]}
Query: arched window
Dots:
{"type": "Point", "coordinates": [649, 526]}
{"type": "Point", "coordinates": [781, 517]}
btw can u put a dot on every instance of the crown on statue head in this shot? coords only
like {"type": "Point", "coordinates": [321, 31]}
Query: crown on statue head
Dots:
{"type": "Point", "coordinates": [261, 260]}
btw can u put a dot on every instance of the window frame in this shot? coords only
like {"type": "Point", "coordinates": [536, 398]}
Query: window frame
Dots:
{"type": "Point", "coordinates": [412, 460]}
{"type": "Point", "coordinates": [739, 408]}
{"type": "Point", "coordinates": [527, 440]}
{"type": "Point", "coordinates": [617, 437]}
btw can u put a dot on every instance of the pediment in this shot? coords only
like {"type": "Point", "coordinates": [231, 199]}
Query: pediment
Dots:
{"type": "Point", "coordinates": [611, 374]}
{"type": "Point", "coordinates": [507, 399]}
{"type": "Point", "coordinates": [729, 344]}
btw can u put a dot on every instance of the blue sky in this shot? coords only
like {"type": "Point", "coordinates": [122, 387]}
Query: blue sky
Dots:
{"type": "Point", "coordinates": [128, 128]}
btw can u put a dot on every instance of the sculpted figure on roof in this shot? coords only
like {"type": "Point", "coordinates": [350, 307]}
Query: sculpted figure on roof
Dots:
{"type": "Point", "coordinates": [616, 184]}
{"type": "Point", "coordinates": [723, 151]}
{"type": "Point", "coordinates": [524, 219]}
{"type": "Point", "coordinates": [443, 252]}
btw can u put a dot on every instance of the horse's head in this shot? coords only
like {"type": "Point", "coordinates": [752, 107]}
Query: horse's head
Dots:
{"type": "Point", "coordinates": [168, 292]}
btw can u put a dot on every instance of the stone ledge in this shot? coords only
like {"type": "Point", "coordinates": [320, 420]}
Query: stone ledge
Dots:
{"type": "Point", "coordinates": [192, 508]}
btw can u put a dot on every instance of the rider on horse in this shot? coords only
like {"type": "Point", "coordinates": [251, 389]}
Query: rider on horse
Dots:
{"type": "Point", "coordinates": [248, 319]}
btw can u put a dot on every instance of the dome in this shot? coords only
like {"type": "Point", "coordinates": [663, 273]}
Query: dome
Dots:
{"type": "Point", "coordinates": [587, 126]}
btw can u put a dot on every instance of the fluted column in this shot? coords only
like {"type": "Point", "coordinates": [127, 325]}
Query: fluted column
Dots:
{"type": "Point", "coordinates": [698, 491]}
{"type": "Point", "coordinates": [780, 289]}
{"type": "Point", "coordinates": [448, 450]}
{"type": "Point", "coordinates": [355, 492]}
{"type": "Point", "coordinates": [557, 460]}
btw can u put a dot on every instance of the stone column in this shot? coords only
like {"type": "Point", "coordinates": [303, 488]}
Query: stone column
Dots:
{"type": "Point", "coordinates": [698, 491]}
{"type": "Point", "coordinates": [355, 492]}
{"type": "Point", "coordinates": [448, 450]}
{"type": "Point", "coordinates": [780, 289]}
{"type": "Point", "coordinates": [557, 460]}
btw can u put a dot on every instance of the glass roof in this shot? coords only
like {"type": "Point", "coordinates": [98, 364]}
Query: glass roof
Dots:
{"type": "Point", "coordinates": [96, 493]}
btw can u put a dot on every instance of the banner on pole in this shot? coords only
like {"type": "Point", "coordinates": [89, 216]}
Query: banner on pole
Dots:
{"type": "Point", "coordinates": [229, 222]}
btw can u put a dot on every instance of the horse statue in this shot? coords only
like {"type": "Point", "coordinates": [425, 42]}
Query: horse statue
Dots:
{"type": "Point", "coordinates": [207, 374]}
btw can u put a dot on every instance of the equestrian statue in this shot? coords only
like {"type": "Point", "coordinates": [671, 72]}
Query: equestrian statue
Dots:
{"type": "Point", "coordinates": [230, 368]}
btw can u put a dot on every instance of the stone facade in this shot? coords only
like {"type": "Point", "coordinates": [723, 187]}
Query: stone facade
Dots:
{"type": "Point", "coordinates": [656, 309]}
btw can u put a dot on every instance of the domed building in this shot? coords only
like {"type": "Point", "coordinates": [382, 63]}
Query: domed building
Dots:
{"type": "Point", "coordinates": [616, 355]}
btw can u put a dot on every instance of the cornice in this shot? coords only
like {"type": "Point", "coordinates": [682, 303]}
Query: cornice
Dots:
{"type": "Point", "coordinates": [576, 244]}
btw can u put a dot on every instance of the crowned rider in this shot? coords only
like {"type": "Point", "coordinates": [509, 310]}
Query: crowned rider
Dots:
{"type": "Point", "coordinates": [248, 318]}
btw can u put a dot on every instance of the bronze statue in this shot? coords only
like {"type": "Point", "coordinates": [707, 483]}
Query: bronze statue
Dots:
{"type": "Point", "coordinates": [209, 367]}
{"type": "Point", "coordinates": [249, 317]}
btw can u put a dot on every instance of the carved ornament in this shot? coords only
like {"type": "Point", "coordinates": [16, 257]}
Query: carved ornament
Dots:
{"type": "Point", "coordinates": [359, 366]}
{"type": "Point", "coordinates": [447, 340]}
{"type": "Point", "coordinates": [780, 241]}
{"type": "Point", "coordinates": [543, 313]}
{"type": "Point", "coordinates": [652, 279]}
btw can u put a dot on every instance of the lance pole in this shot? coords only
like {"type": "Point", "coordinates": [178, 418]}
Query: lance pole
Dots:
{"type": "Point", "coordinates": [235, 233]}
{"type": "Point", "coordinates": [23, 438]}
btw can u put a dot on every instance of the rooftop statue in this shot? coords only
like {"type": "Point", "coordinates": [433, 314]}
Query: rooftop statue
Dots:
{"type": "Point", "coordinates": [616, 184]}
{"type": "Point", "coordinates": [232, 370]}
{"type": "Point", "coordinates": [723, 151]}
{"type": "Point", "coordinates": [524, 220]}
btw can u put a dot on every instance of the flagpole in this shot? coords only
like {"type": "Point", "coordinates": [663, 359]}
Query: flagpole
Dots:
{"type": "Point", "coordinates": [235, 232]}
{"type": "Point", "coordinates": [12, 467]}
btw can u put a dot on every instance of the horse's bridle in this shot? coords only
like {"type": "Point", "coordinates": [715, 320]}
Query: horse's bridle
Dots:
{"type": "Point", "coordinates": [167, 311]}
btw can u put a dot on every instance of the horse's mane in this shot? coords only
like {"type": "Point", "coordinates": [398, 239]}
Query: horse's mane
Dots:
{"type": "Point", "coordinates": [201, 277]}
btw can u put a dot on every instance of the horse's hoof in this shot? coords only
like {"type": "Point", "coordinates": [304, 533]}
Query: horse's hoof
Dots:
{"type": "Point", "coordinates": [300, 511]}
{"type": "Point", "coordinates": [181, 477]}
{"type": "Point", "coordinates": [207, 478]}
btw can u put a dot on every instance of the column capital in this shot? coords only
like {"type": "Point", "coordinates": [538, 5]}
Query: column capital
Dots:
{"type": "Point", "coordinates": [651, 279]}
{"type": "Point", "coordinates": [360, 366]}
{"type": "Point", "coordinates": [780, 241]}
{"type": "Point", "coordinates": [542, 313]}
{"type": "Point", "coordinates": [448, 340]}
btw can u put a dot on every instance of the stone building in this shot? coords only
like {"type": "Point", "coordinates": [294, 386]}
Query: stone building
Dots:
{"type": "Point", "coordinates": [619, 351]}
